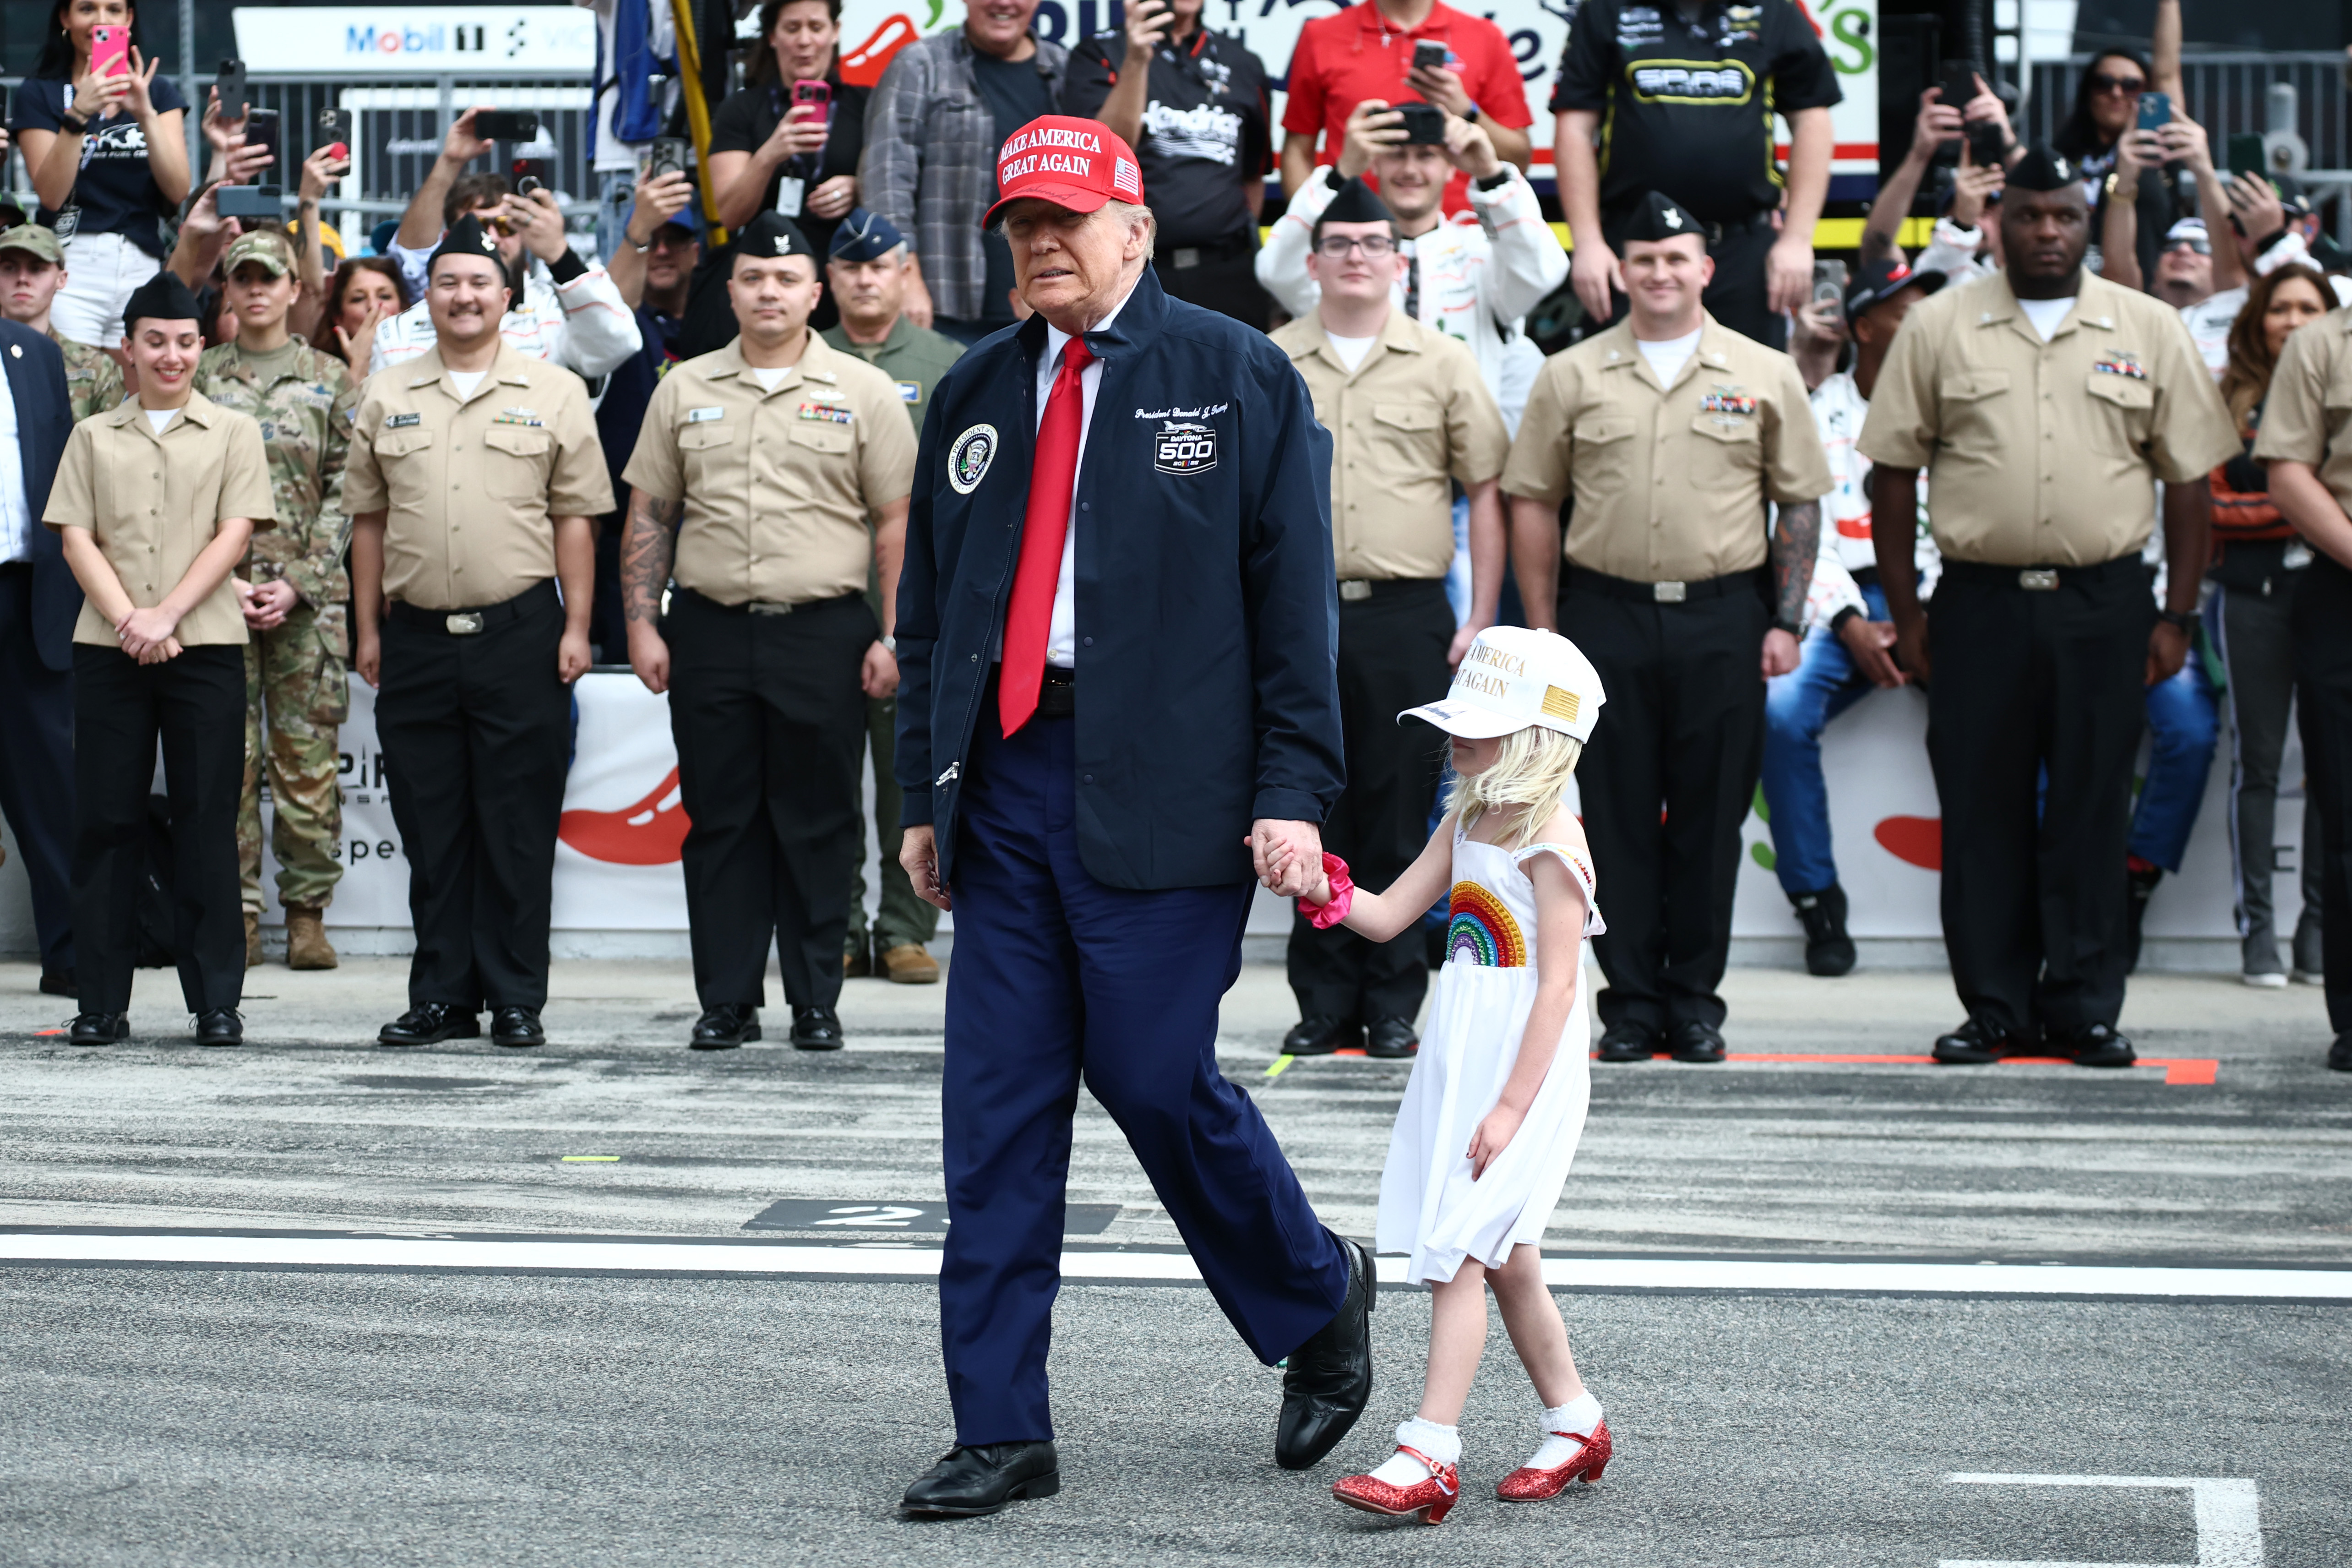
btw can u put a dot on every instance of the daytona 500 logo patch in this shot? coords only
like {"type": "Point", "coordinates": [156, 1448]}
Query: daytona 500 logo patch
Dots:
{"type": "Point", "coordinates": [1183, 448]}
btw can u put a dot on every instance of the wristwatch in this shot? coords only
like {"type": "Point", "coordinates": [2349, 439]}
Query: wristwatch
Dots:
{"type": "Point", "coordinates": [1496, 181]}
{"type": "Point", "coordinates": [1473, 116]}
{"type": "Point", "coordinates": [2183, 621]}
{"type": "Point", "coordinates": [889, 642]}
{"type": "Point", "coordinates": [640, 249]}
{"type": "Point", "coordinates": [73, 124]}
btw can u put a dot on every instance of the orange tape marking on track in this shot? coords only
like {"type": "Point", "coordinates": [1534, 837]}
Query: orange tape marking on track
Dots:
{"type": "Point", "coordinates": [2178, 1070]}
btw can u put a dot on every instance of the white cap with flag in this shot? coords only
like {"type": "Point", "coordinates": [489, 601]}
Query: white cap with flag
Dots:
{"type": "Point", "coordinates": [1513, 677]}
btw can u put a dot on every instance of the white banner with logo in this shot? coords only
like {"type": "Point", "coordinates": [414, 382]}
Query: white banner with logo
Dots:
{"type": "Point", "coordinates": [362, 41]}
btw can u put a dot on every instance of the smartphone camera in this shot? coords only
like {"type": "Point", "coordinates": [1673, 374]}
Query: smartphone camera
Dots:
{"type": "Point", "coordinates": [507, 125]}
{"type": "Point", "coordinates": [1424, 124]}
{"type": "Point", "coordinates": [1428, 56]}
{"type": "Point", "coordinates": [667, 155]}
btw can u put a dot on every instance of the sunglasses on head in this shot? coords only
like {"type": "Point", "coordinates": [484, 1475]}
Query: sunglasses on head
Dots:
{"type": "Point", "coordinates": [2102, 82]}
{"type": "Point", "coordinates": [2201, 247]}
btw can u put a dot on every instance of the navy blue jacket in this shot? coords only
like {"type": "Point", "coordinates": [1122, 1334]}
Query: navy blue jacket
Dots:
{"type": "Point", "coordinates": [1207, 608]}
{"type": "Point", "coordinates": [37, 382]}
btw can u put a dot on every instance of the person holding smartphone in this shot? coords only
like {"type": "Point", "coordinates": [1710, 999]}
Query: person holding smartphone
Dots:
{"type": "Point", "coordinates": [101, 133]}
{"type": "Point", "coordinates": [778, 144]}
{"type": "Point", "coordinates": [1193, 103]}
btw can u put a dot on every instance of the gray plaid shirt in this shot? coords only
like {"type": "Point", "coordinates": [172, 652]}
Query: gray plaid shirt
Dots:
{"type": "Point", "coordinates": [929, 165]}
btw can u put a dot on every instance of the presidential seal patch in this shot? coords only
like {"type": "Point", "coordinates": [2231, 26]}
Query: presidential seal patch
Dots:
{"type": "Point", "coordinates": [968, 459]}
{"type": "Point", "coordinates": [1179, 447]}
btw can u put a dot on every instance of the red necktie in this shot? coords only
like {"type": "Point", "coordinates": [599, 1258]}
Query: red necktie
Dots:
{"type": "Point", "coordinates": [1030, 617]}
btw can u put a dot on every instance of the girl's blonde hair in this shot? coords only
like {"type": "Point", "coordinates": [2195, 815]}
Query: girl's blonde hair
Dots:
{"type": "Point", "coordinates": [1529, 776]}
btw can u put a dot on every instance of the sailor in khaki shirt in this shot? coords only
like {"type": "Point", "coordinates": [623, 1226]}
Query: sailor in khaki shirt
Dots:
{"type": "Point", "coordinates": [1697, 475]}
{"type": "Point", "coordinates": [2306, 440]}
{"type": "Point", "coordinates": [1409, 415]}
{"type": "Point", "coordinates": [2044, 402]}
{"type": "Point", "coordinates": [154, 502]}
{"type": "Point", "coordinates": [754, 474]}
{"type": "Point", "coordinates": [472, 474]}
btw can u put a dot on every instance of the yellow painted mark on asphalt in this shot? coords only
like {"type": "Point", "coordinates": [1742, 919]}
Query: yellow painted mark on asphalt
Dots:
{"type": "Point", "coordinates": [591, 1159]}
{"type": "Point", "coordinates": [1280, 1062]}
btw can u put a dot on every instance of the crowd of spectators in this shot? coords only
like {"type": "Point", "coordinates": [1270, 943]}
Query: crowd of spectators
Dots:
{"type": "Point", "coordinates": [1409, 219]}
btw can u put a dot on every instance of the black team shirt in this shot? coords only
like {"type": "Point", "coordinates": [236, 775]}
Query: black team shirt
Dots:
{"type": "Point", "coordinates": [1205, 135]}
{"type": "Point", "coordinates": [1687, 97]}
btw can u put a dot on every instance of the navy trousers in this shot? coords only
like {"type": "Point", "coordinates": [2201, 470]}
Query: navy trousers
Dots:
{"type": "Point", "coordinates": [1057, 977]}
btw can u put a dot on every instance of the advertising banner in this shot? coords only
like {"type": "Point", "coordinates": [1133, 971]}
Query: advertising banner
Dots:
{"type": "Point", "coordinates": [357, 42]}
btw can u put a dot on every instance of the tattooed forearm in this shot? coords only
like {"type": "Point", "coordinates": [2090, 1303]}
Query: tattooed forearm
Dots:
{"type": "Point", "coordinates": [1796, 542]}
{"type": "Point", "coordinates": [646, 549]}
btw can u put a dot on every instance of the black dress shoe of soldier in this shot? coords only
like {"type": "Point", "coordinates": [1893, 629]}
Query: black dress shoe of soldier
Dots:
{"type": "Point", "coordinates": [1320, 1034]}
{"type": "Point", "coordinates": [99, 1028]}
{"type": "Point", "coordinates": [985, 1479]}
{"type": "Point", "coordinates": [1974, 1044]}
{"type": "Point", "coordinates": [1829, 951]}
{"type": "Point", "coordinates": [516, 1027]}
{"type": "Point", "coordinates": [429, 1024]}
{"type": "Point", "coordinates": [1628, 1043]}
{"type": "Point", "coordinates": [724, 1027]}
{"type": "Point", "coordinates": [1391, 1040]}
{"type": "Point", "coordinates": [1329, 1378]}
{"type": "Point", "coordinates": [1695, 1041]}
{"type": "Point", "coordinates": [2097, 1045]}
{"type": "Point", "coordinates": [220, 1027]}
{"type": "Point", "coordinates": [815, 1029]}
{"type": "Point", "coordinates": [2340, 1054]}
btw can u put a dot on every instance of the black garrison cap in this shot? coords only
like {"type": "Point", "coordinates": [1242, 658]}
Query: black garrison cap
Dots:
{"type": "Point", "coordinates": [1659, 216]}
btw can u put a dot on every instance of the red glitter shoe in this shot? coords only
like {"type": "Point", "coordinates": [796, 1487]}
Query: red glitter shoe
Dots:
{"type": "Point", "coordinates": [1431, 1499]}
{"type": "Point", "coordinates": [1526, 1484]}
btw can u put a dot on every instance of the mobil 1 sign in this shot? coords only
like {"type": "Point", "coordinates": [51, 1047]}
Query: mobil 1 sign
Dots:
{"type": "Point", "coordinates": [363, 41]}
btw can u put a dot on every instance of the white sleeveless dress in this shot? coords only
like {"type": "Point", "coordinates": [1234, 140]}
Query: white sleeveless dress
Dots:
{"type": "Point", "coordinates": [1478, 1009]}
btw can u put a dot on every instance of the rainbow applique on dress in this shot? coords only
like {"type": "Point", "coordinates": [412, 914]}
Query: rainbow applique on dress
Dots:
{"type": "Point", "coordinates": [1480, 926]}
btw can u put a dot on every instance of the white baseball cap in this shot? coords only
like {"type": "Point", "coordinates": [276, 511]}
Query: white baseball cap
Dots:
{"type": "Point", "coordinates": [1513, 677]}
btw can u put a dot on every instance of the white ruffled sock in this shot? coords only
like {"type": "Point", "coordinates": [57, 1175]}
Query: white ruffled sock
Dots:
{"type": "Point", "coordinates": [1441, 1444]}
{"type": "Point", "coordinates": [1580, 1415]}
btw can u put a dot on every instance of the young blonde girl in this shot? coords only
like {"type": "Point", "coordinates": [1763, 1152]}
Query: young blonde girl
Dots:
{"type": "Point", "coordinates": [1490, 1119]}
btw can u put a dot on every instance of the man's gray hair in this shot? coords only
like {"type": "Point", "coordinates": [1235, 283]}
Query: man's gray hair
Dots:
{"type": "Point", "coordinates": [1132, 213]}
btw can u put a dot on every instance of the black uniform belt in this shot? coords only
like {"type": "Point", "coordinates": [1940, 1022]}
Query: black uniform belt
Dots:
{"type": "Point", "coordinates": [2040, 579]}
{"type": "Point", "coordinates": [1057, 694]}
{"type": "Point", "coordinates": [1354, 589]}
{"type": "Point", "coordinates": [765, 606]}
{"type": "Point", "coordinates": [1189, 256]}
{"type": "Point", "coordinates": [480, 618]}
{"type": "Point", "coordinates": [1751, 582]}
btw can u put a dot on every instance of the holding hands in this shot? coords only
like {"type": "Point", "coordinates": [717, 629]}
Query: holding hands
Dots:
{"type": "Point", "coordinates": [266, 604]}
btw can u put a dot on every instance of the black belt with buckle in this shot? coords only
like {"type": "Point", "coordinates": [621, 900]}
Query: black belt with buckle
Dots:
{"type": "Point", "coordinates": [1355, 590]}
{"type": "Point", "coordinates": [1186, 257]}
{"type": "Point", "coordinates": [764, 607]}
{"type": "Point", "coordinates": [1057, 694]}
{"type": "Point", "coordinates": [2040, 579]}
{"type": "Point", "coordinates": [1581, 580]}
{"type": "Point", "coordinates": [475, 621]}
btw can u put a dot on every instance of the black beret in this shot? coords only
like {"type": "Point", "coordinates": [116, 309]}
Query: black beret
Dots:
{"type": "Point", "coordinates": [1659, 216]}
{"type": "Point", "coordinates": [164, 298]}
{"type": "Point", "coordinates": [771, 234]}
{"type": "Point", "coordinates": [466, 237]}
{"type": "Point", "coordinates": [2042, 169]}
{"type": "Point", "coordinates": [1357, 203]}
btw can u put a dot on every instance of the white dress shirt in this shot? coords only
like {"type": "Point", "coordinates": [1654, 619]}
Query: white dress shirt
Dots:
{"type": "Point", "coordinates": [16, 509]}
{"type": "Point", "coordinates": [1062, 632]}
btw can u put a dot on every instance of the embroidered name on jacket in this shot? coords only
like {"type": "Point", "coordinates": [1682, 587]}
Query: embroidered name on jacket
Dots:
{"type": "Point", "coordinates": [2120, 365]}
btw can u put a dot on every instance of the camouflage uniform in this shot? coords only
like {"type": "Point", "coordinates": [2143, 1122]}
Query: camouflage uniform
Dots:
{"type": "Point", "coordinates": [299, 671]}
{"type": "Point", "coordinates": [93, 381]}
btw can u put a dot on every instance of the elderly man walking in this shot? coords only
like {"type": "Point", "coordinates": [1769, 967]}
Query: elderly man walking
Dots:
{"type": "Point", "coordinates": [1089, 806]}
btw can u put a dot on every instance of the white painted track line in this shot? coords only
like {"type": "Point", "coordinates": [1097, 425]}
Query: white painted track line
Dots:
{"type": "Point", "coordinates": [199, 1251]}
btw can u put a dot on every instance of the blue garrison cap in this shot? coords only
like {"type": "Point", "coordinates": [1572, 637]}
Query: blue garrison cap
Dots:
{"type": "Point", "coordinates": [865, 237]}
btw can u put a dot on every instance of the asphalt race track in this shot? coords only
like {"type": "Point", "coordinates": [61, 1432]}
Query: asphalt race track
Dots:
{"type": "Point", "coordinates": [611, 1301]}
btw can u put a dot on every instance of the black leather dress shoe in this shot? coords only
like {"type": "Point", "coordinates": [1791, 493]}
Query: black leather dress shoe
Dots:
{"type": "Point", "coordinates": [1329, 1378]}
{"type": "Point", "coordinates": [221, 1027]}
{"type": "Point", "coordinates": [1974, 1044]}
{"type": "Point", "coordinates": [1829, 951]}
{"type": "Point", "coordinates": [98, 1028]}
{"type": "Point", "coordinates": [1628, 1043]}
{"type": "Point", "coordinates": [2340, 1054]}
{"type": "Point", "coordinates": [1390, 1039]}
{"type": "Point", "coordinates": [987, 1479]}
{"type": "Point", "coordinates": [56, 982]}
{"type": "Point", "coordinates": [516, 1027]}
{"type": "Point", "coordinates": [724, 1027]}
{"type": "Point", "coordinates": [2096, 1046]}
{"type": "Point", "coordinates": [429, 1024]}
{"type": "Point", "coordinates": [1320, 1034]}
{"type": "Point", "coordinates": [815, 1029]}
{"type": "Point", "coordinates": [1694, 1041]}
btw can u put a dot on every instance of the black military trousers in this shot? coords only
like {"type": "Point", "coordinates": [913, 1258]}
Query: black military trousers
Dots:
{"type": "Point", "coordinates": [1392, 650]}
{"type": "Point", "coordinates": [195, 705]}
{"type": "Point", "coordinates": [1682, 734]}
{"type": "Point", "coordinates": [2033, 683]}
{"type": "Point", "coordinates": [476, 738]}
{"type": "Point", "coordinates": [770, 721]}
{"type": "Point", "coordinates": [2323, 701]}
{"type": "Point", "coordinates": [1739, 296]}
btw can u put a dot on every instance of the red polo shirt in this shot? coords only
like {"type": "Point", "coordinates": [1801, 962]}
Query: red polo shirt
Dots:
{"type": "Point", "coordinates": [1357, 54]}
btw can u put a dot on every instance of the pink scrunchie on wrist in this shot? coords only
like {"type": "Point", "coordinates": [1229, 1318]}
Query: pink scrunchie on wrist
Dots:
{"type": "Point", "coordinates": [1343, 893]}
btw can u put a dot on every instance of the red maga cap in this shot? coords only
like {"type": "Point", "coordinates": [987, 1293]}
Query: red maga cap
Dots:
{"type": "Point", "coordinates": [1072, 162]}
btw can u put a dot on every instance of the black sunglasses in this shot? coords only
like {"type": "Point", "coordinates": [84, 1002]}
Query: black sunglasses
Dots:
{"type": "Point", "coordinates": [2102, 82]}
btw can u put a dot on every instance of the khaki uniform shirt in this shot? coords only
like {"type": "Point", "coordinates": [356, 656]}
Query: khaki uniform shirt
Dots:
{"type": "Point", "coordinates": [2308, 418]}
{"type": "Point", "coordinates": [1670, 482]}
{"type": "Point", "coordinates": [153, 502]}
{"type": "Point", "coordinates": [777, 484]}
{"type": "Point", "coordinates": [473, 485]}
{"type": "Point", "coordinates": [1415, 413]}
{"type": "Point", "coordinates": [2045, 454]}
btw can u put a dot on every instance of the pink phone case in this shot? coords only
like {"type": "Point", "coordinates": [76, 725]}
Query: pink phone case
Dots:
{"type": "Point", "coordinates": [110, 51]}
